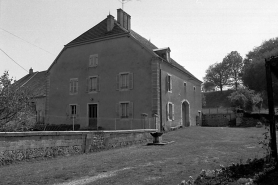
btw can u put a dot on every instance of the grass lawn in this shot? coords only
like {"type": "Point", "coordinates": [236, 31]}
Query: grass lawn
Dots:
{"type": "Point", "coordinates": [193, 149]}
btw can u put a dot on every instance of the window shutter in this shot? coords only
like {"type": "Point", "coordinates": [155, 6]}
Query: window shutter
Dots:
{"type": "Point", "coordinates": [170, 82]}
{"type": "Point", "coordinates": [117, 110]}
{"type": "Point", "coordinates": [98, 85]}
{"type": "Point", "coordinates": [96, 60]}
{"type": "Point", "coordinates": [166, 83]}
{"type": "Point", "coordinates": [130, 81]}
{"type": "Point", "coordinates": [77, 110]}
{"type": "Point", "coordinates": [117, 82]}
{"type": "Point", "coordinates": [87, 84]}
{"type": "Point", "coordinates": [76, 86]}
{"type": "Point", "coordinates": [68, 109]}
{"type": "Point", "coordinates": [91, 59]}
{"type": "Point", "coordinates": [130, 109]}
{"type": "Point", "coordinates": [70, 87]}
{"type": "Point", "coordinates": [173, 112]}
{"type": "Point", "coordinates": [167, 111]}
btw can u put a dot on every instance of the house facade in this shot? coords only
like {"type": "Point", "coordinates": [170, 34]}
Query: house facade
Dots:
{"type": "Point", "coordinates": [110, 78]}
{"type": "Point", "coordinates": [35, 82]}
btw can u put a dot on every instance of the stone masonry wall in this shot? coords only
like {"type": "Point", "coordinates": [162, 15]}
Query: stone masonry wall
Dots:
{"type": "Point", "coordinates": [20, 146]}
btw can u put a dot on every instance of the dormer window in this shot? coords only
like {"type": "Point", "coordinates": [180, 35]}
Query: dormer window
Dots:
{"type": "Point", "coordinates": [163, 53]}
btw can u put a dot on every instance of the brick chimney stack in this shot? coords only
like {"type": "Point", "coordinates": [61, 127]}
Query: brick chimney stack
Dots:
{"type": "Point", "coordinates": [124, 19]}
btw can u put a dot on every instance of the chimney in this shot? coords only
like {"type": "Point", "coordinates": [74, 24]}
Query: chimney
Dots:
{"type": "Point", "coordinates": [31, 71]}
{"type": "Point", "coordinates": [110, 23]}
{"type": "Point", "coordinates": [123, 19]}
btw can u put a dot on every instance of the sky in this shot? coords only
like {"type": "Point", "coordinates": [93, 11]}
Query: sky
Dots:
{"type": "Point", "coordinates": [198, 32]}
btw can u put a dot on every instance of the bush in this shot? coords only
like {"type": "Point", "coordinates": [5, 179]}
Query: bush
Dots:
{"type": "Point", "coordinates": [249, 122]}
{"type": "Point", "coordinates": [252, 171]}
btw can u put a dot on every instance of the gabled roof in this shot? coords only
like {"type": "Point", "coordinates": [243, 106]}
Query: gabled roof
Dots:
{"type": "Point", "coordinates": [35, 82]}
{"type": "Point", "coordinates": [100, 31]}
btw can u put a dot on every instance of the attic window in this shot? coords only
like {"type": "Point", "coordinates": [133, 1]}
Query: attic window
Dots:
{"type": "Point", "coordinates": [163, 53]}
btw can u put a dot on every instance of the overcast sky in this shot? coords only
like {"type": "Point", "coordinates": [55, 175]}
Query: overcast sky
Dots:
{"type": "Point", "coordinates": [198, 32]}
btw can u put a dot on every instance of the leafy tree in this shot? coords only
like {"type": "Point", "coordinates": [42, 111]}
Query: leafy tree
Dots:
{"type": "Point", "coordinates": [217, 74]}
{"type": "Point", "coordinates": [254, 75]}
{"type": "Point", "coordinates": [235, 63]}
{"type": "Point", "coordinates": [208, 86]}
{"type": "Point", "coordinates": [204, 102]}
{"type": "Point", "coordinates": [14, 104]}
{"type": "Point", "coordinates": [246, 99]}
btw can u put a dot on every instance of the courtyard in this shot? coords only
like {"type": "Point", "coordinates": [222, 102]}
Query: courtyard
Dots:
{"type": "Point", "coordinates": [190, 150]}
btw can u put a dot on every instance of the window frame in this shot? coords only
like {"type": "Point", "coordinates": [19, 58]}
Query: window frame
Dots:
{"type": "Point", "coordinates": [71, 110]}
{"type": "Point", "coordinates": [89, 84]}
{"type": "Point", "coordinates": [128, 112]}
{"type": "Point", "coordinates": [93, 63]}
{"type": "Point", "coordinates": [129, 81]}
{"type": "Point", "coordinates": [169, 83]}
{"type": "Point", "coordinates": [73, 85]}
{"type": "Point", "coordinates": [170, 113]}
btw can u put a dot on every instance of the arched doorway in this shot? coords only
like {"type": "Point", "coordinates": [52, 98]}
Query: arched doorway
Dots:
{"type": "Point", "coordinates": [185, 113]}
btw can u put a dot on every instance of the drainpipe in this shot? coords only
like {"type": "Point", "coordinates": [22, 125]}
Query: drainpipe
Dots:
{"type": "Point", "coordinates": [160, 97]}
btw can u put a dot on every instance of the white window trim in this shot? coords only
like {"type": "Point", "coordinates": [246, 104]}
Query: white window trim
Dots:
{"type": "Point", "coordinates": [97, 90]}
{"type": "Point", "coordinates": [169, 85]}
{"type": "Point", "coordinates": [71, 80]}
{"type": "Point", "coordinates": [95, 63]}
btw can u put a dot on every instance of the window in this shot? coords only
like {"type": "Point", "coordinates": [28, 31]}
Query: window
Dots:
{"type": "Point", "coordinates": [169, 83]}
{"type": "Point", "coordinates": [194, 88]}
{"type": "Point", "coordinates": [125, 110]}
{"type": "Point", "coordinates": [73, 110]}
{"type": "Point", "coordinates": [170, 111]}
{"type": "Point", "coordinates": [93, 84]}
{"type": "Point", "coordinates": [125, 81]}
{"type": "Point", "coordinates": [93, 60]}
{"type": "Point", "coordinates": [184, 85]}
{"type": "Point", "coordinates": [73, 86]}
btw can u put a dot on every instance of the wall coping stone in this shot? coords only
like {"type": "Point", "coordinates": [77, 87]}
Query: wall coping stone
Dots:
{"type": "Point", "coordinates": [57, 133]}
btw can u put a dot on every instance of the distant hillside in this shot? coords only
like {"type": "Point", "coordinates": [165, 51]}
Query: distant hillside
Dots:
{"type": "Point", "coordinates": [217, 99]}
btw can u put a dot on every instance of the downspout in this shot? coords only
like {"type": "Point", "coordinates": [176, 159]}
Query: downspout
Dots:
{"type": "Point", "coordinates": [160, 97]}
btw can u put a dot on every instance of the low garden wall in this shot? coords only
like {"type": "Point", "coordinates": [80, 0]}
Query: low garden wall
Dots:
{"type": "Point", "coordinates": [20, 146]}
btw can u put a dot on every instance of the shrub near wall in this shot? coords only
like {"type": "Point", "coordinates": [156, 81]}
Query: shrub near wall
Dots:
{"type": "Point", "coordinates": [33, 145]}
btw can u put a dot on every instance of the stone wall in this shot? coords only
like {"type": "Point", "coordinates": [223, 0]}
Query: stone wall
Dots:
{"type": "Point", "coordinates": [20, 146]}
{"type": "Point", "coordinates": [216, 120]}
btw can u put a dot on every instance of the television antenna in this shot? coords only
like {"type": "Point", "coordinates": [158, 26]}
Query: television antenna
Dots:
{"type": "Point", "coordinates": [123, 2]}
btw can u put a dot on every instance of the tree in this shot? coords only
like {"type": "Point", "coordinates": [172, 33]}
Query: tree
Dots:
{"type": "Point", "coordinates": [217, 74]}
{"type": "Point", "coordinates": [208, 86]}
{"type": "Point", "coordinates": [14, 103]}
{"type": "Point", "coordinates": [254, 75]}
{"type": "Point", "coordinates": [235, 63]}
{"type": "Point", "coordinates": [245, 99]}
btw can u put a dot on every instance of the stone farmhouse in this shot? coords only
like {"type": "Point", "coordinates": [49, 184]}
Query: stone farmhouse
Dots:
{"type": "Point", "coordinates": [35, 82]}
{"type": "Point", "coordinates": [110, 78]}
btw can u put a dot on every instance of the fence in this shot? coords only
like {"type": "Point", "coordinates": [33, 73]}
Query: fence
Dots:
{"type": "Point", "coordinates": [217, 116]}
{"type": "Point", "coordinates": [105, 123]}
{"type": "Point", "coordinates": [217, 110]}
